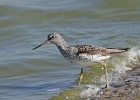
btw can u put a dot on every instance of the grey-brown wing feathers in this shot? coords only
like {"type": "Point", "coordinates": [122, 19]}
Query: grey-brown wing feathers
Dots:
{"type": "Point", "coordinates": [91, 50]}
{"type": "Point", "coordinates": [117, 50]}
{"type": "Point", "coordinates": [94, 50]}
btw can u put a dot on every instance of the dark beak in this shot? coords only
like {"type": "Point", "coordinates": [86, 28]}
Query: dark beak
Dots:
{"type": "Point", "coordinates": [46, 42]}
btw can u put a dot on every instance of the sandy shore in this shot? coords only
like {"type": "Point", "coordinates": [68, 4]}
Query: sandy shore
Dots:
{"type": "Point", "coordinates": [127, 88]}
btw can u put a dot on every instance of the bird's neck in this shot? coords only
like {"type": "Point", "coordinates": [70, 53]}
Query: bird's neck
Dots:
{"type": "Point", "coordinates": [62, 45]}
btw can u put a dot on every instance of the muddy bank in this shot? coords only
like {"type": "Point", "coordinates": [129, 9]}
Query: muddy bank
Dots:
{"type": "Point", "coordinates": [127, 88]}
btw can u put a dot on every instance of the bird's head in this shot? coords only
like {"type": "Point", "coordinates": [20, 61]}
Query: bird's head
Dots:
{"type": "Point", "coordinates": [52, 38]}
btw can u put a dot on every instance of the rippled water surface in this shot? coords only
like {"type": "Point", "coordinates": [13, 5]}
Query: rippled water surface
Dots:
{"type": "Point", "coordinates": [43, 73]}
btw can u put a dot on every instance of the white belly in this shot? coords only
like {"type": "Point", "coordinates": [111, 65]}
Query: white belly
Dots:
{"type": "Point", "coordinates": [88, 60]}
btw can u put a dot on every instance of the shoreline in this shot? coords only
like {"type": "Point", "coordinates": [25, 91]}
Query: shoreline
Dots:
{"type": "Point", "coordinates": [128, 88]}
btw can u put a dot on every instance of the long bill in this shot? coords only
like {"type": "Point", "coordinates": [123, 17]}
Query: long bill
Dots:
{"type": "Point", "coordinates": [46, 42]}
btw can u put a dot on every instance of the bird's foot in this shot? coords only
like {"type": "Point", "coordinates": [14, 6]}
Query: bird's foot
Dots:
{"type": "Point", "coordinates": [106, 87]}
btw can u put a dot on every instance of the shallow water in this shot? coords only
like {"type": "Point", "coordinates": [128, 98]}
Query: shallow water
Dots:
{"type": "Point", "coordinates": [42, 73]}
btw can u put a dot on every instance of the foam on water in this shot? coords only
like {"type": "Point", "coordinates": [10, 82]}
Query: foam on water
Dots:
{"type": "Point", "coordinates": [121, 63]}
{"type": "Point", "coordinates": [53, 90]}
{"type": "Point", "coordinates": [91, 89]}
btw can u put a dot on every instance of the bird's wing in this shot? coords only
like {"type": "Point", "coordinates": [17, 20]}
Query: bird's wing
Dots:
{"type": "Point", "coordinates": [91, 50]}
{"type": "Point", "coordinates": [117, 50]}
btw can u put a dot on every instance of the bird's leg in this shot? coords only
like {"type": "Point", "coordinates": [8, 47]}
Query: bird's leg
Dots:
{"type": "Point", "coordinates": [106, 76]}
{"type": "Point", "coordinates": [80, 78]}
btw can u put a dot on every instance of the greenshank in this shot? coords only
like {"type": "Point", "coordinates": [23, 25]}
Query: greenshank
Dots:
{"type": "Point", "coordinates": [83, 55]}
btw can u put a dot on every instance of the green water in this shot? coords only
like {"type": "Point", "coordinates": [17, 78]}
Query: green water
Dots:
{"type": "Point", "coordinates": [42, 73]}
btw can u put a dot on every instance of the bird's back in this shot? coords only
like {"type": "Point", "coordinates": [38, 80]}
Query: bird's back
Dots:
{"type": "Point", "coordinates": [91, 50]}
{"type": "Point", "coordinates": [94, 50]}
{"type": "Point", "coordinates": [88, 55]}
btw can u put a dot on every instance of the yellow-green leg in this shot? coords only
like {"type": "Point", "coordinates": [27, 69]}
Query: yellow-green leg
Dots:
{"type": "Point", "coordinates": [80, 78]}
{"type": "Point", "coordinates": [106, 74]}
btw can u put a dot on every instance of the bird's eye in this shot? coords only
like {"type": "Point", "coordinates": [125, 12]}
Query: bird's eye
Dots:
{"type": "Point", "coordinates": [52, 36]}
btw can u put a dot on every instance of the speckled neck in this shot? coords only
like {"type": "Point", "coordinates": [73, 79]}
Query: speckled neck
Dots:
{"type": "Point", "coordinates": [62, 45]}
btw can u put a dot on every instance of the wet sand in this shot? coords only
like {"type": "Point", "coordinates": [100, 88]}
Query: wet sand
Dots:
{"type": "Point", "coordinates": [127, 88]}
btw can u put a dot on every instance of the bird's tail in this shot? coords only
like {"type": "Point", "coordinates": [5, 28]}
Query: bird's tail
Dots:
{"type": "Point", "coordinates": [117, 50]}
